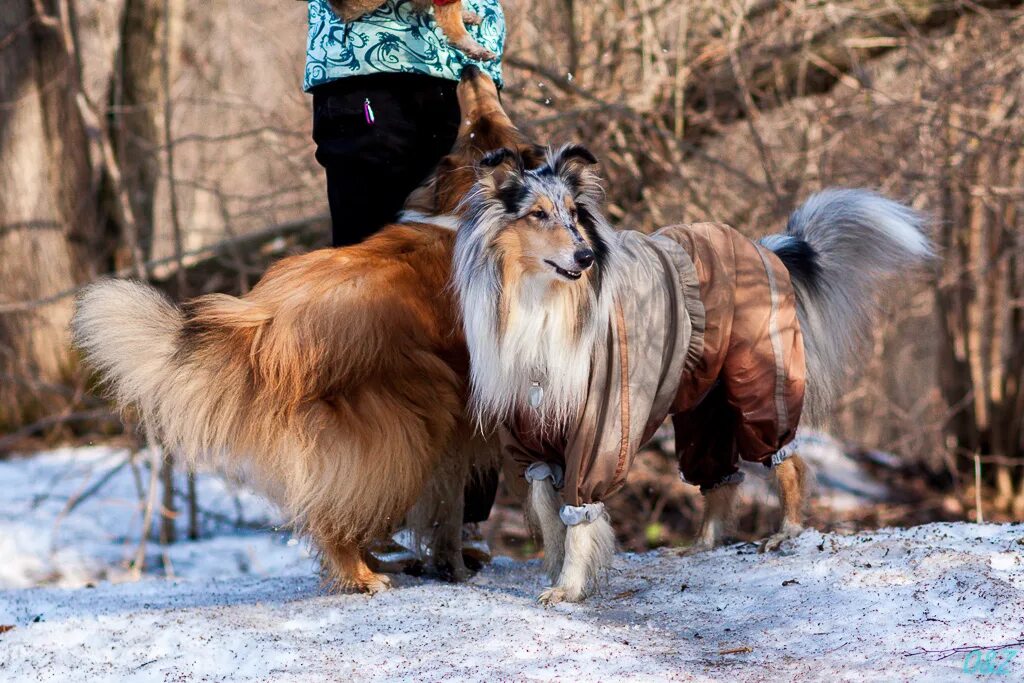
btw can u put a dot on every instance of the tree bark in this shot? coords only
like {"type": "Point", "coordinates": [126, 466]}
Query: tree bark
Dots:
{"type": "Point", "coordinates": [136, 114]}
{"type": "Point", "coordinates": [137, 105]}
{"type": "Point", "coordinates": [48, 215]}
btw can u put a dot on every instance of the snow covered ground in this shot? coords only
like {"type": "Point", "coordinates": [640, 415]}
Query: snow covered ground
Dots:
{"type": "Point", "coordinates": [74, 516]}
{"type": "Point", "coordinates": [893, 604]}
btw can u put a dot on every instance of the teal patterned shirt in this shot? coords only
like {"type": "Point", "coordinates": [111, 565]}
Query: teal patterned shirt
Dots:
{"type": "Point", "coordinates": [398, 37]}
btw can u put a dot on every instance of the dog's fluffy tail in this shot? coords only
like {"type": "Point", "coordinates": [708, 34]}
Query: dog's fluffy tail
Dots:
{"type": "Point", "coordinates": [839, 247]}
{"type": "Point", "coordinates": [129, 332]}
{"type": "Point", "coordinates": [322, 386]}
{"type": "Point", "coordinates": [138, 341]}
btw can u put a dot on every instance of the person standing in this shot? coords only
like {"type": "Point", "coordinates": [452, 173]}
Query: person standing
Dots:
{"type": "Point", "coordinates": [385, 109]}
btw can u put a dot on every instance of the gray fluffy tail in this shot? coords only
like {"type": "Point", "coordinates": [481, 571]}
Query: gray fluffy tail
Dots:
{"type": "Point", "coordinates": [839, 248]}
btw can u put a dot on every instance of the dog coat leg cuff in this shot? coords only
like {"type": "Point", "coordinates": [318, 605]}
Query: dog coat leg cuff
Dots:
{"type": "Point", "coordinates": [784, 453]}
{"type": "Point", "coordinates": [734, 478]}
{"type": "Point", "coordinates": [571, 515]}
{"type": "Point", "coordinates": [539, 471]}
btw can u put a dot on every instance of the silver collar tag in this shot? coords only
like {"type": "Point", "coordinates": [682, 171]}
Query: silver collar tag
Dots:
{"type": "Point", "coordinates": [536, 394]}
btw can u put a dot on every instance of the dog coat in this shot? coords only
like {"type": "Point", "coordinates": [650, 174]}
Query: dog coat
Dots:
{"type": "Point", "coordinates": [703, 328]}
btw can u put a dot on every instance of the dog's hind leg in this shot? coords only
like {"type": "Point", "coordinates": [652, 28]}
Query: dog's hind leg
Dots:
{"type": "Point", "coordinates": [436, 518]}
{"type": "Point", "coordinates": [347, 567]}
{"type": "Point", "coordinates": [718, 509]}
{"type": "Point", "coordinates": [589, 547]}
{"type": "Point", "coordinates": [791, 476]}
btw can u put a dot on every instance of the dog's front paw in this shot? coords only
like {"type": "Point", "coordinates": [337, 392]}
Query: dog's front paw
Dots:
{"type": "Point", "coordinates": [552, 596]}
{"type": "Point", "coordinates": [471, 18]}
{"type": "Point", "coordinates": [775, 541]}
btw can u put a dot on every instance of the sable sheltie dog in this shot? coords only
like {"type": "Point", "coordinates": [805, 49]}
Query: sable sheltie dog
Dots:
{"type": "Point", "coordinates": [336, 386]}
{"type": "Point", "coordinates": [449, 14]}
{"type": "Point", "coordinates": [538, 272]}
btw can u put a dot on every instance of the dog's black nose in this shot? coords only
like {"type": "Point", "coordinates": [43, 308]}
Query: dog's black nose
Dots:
{"type": "Point", "coordinates": [584, 258]}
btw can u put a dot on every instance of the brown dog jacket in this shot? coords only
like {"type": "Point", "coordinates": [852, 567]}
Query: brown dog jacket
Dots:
{"type": "Point", "coordinates": [704, 328]}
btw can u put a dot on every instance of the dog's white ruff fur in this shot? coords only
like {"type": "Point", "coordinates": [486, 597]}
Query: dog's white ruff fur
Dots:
{"type": "Point", "coordinates": [536, 346]}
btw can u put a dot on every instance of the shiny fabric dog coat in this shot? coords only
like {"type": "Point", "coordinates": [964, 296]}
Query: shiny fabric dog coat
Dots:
{"type": "Point", "coordinates": [704, 328]}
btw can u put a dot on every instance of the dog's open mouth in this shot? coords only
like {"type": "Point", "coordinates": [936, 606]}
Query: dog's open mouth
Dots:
{"type": "Point", "coordinates": [567, 274]}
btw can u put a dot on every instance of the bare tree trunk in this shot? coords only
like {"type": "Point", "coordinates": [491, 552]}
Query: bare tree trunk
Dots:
{"type": "Point", "coordinates": [136, 113]}
{"type": "Point", "coordinates": [141, 126]}
{"type": "Point", "coordinates": [168, 511]}
{"type": "Point", "coordinates": [48, 213]}
{"type": "Point", "coordinates": [982, 356]}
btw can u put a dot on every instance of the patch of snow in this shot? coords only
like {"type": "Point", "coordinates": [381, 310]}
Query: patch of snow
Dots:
{"type": "Point", "coordinates": [889, 604]}
{"type": "Point", "coordinates": [864, 607]}
{"type": "Point", "coordinates": [51, 533]}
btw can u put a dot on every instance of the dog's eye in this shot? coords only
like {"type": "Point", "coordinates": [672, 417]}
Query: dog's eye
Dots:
{"type": "Point", "coordinates": [539, 214]}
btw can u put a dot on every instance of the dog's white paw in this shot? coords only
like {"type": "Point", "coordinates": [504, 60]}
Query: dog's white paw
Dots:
{"type": "Point", "coordinates": [471, 18]}
{"type": "Point", "coordinates": [552, 596]}
{"type": "Point", "coordinates": [775, 541]}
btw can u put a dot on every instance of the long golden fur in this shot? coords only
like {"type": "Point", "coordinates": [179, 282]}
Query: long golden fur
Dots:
{"type": "Point", "coordinates": [336, 385]}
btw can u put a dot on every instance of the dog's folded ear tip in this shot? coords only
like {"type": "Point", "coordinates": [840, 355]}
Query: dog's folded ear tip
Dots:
{"type": "Point", "coordinates": [578, 152]}
{"type": "Point", "coordinates": [496, 157]}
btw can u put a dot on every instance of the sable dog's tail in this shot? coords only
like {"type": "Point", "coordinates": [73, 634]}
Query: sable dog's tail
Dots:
{"type": "Point", "coordinates": [321, 386]}
{"type": "Point", "coordinates": [185, 373]}
{"type": "Point", "coordinates": [839, 247]}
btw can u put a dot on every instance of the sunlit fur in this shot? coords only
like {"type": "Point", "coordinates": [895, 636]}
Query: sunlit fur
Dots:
{"type": "Point", "coordinates": [336, 385]}
{"type": "Point", "coordinates": [525, 323]}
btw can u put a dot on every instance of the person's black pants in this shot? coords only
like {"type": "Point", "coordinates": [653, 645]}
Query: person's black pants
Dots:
{"type": "Point", "coordinates": [372, 167]}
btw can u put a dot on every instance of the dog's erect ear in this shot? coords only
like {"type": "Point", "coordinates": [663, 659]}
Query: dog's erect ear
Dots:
{"type": "Point", "coordinates": [498, 166]}
{"type": "Point", "coordinates": [576, 165]}
{"type": "Point", "coordinates": [574, 155]}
